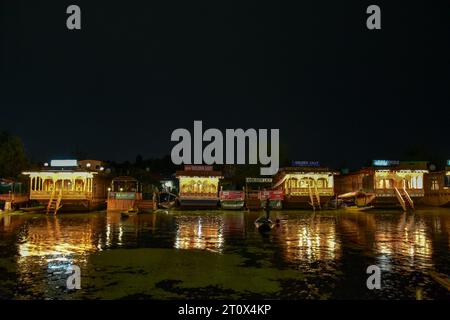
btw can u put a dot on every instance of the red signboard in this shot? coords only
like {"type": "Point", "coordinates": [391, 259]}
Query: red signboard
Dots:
{"type": "Point", "coordinates": [272, 194]}
{"type": "Point", "coordinates": [232, 195]}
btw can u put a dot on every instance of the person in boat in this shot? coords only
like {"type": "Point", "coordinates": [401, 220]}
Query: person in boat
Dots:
{"type": "Point", "coordinates": [267, 209]}
{"type": "Point", "coordinates": [264, 222]}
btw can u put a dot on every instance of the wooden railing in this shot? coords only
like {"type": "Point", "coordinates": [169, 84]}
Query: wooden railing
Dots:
{"type": "Point", "coordinates": [391, 192]}
{"type": "Point", "coordinates": [305, 191]}
{"type": "Point", "coordinates": [66, 195]}
{"type": "Point", "coordinates": [201, 195]}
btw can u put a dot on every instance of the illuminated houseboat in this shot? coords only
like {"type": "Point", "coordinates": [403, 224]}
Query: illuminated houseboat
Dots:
{"type": "Point", "coordinates": [392, 183]}
{"type": "Point", "coordinates": [199, 186]}
{"type": "Point", "coordinates": [67, 186]}
{"type": "Point", "coordinates": [126, 193]}
{"type": "Point", "coordinates": [305, 185]}
{"type": "Point", "coordinates": [437, 187]}
{"type": "Point", "coordinates": [258, 190]}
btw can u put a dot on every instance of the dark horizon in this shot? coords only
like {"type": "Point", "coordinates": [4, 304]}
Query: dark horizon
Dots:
{"type": "Point", "coordinates": [339, 93]}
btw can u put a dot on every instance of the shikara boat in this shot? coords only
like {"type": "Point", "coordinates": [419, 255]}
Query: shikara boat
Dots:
{"type": "Point", "coordinates": [129, 213]}
{"type": "Point", "coordinates": [356, 201]}
{"type": "Point", "coordinates": [36, 209]}
{"type": "Point", "coordinates": [357, 208]}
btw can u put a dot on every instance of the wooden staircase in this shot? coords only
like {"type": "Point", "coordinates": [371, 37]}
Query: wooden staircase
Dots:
{"type": "Point", "coordinates": [404, 199]}
{"type": "Point", "coordinates": [314, 197]}
{"type": "Point", "coordinates": [54, 204]}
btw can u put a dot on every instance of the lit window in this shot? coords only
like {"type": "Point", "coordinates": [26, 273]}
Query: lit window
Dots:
{"type": "Point", "coordinates": [434, 184]}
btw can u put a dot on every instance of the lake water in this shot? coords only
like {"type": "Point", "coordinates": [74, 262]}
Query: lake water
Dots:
{"type": "Point", "coordinates": [221, 254]}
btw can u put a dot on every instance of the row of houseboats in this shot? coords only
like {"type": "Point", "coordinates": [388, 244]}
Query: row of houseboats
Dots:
{"type": "Point", "coordinates": [84, 184]}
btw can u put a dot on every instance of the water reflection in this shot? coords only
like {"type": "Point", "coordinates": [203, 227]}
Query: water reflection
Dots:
{"type": "Point", "coordinates": [405, 237]}
{"type": "Point", "coordinates": [199, 232]}
{"type": "Point", "coordinates": [310, 239]}
{"type": "Point", "coordinates": [402, 244]}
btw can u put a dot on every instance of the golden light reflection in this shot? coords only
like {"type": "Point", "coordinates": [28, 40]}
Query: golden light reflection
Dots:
{"type": "Point", "coordinates": [48, 243]}
{"type": "Point", "coordinates": [310, 240]}
{"type": "Point", "coordinates": [204, 233]}
{"type": "Point", "coordinates": [407, 238]}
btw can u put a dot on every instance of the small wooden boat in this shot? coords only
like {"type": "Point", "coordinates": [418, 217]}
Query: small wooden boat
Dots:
{"type": "Point", "coordinates": [167, 200]}
{"type": "Point", "coordinates": [11, 213]}
{"type": "Point", "coordinates": [356, 201]}
{"type": "Point", "coordinates": [35, 209]}
{"type": "Point", "coordinates": [263, 224]}
{"type": "Point", "coordinates": [129, 213]}
{"type": "Point", "coordinates": [357, 208]}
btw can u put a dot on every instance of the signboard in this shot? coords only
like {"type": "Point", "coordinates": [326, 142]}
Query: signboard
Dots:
{"type": "Point", "coordinates": [64, 163]}
{"type": "Point", "coordinates": [385, 163]}
{"type": "Point", "coordinates": [297, 163]}
{"type": "Point", "coordinates": [232, 195]}
{"type": "Point", "coordinates": [123, 195]}
{"type": "Point", "coordinates": [448, 163]}
{"type": "Point", "coordinates": [271, 194]}
{"type": "Point", "coordinates": [258, 180]}
{"type": "Point", "coordinates": [192, 167]}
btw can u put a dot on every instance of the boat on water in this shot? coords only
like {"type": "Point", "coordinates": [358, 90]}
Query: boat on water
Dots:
{"type": "Point", "coordinates": [388, 183]}
{"type": "Point", "coordinates": [357, 208]}
{"type": "Point", "coordinates": [258, 190]}
{"type": "Point", "coordinates": [36, 209]}
{"type": "Point", "coordinates": [199, 186]}
{"type": "Point", "coordinates": [129, 213]}
{"type": "Point", "coordinates": [356, 201]}
{"type": "Point", "coordinates": [167, 200]}
{"type": "Point", "coordinates": [264, 224]}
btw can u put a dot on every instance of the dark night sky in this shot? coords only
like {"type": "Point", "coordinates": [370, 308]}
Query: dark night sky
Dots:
{"type": "Point", "coordinates": [137, 70]}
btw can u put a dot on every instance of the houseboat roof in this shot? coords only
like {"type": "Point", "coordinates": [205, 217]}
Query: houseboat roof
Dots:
{"type": "Point", "coordinates": [59, 170]}
{"type": "Point", "coordinates": [400, 165]}
{"type": "Point", "coordinates": [192, 170]}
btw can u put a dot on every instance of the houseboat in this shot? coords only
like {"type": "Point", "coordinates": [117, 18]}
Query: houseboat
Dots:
{"type": "Point", "coordinates": [12, 195]}
{"type": "Point", "coordinates": [63, 185]}
{"type": "Point", "coordinates": [437, 187]}
{"type": "Point", "coordinates": [232, 199]}
{"type": "Point", "coordinates": [305, 185]}
{"type": "Point", "coordinates": [258, 190]}
{"type": "Point", "coordinates": [125, 193]}
{"type": "Point", "coordinates": [392, 183]}
{"type": "Point", "coordinates": [199, 187]}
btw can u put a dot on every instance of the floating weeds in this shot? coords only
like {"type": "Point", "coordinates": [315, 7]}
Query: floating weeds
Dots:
{"type": "Point", "coordinates": [169, 273]}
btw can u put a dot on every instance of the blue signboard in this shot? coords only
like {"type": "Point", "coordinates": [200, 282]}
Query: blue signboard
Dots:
{"type": "Point", "coordinates": [385, 163]}
{"type": "Point", "coordinates": [448, 163]}
{"type": "Point", "coordinates": [297, 163]}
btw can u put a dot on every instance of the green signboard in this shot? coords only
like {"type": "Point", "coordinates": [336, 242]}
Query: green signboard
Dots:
{"type": "Point", "coordinates": [125, 195]}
